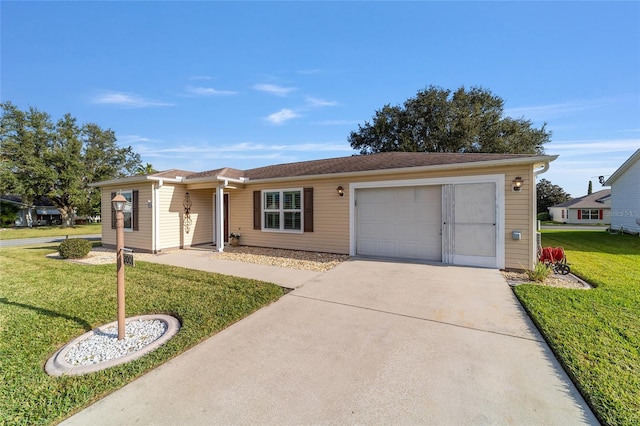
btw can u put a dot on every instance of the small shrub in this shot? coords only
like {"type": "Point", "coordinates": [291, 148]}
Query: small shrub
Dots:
{"type": "Point", "coordinates": [544, 216]}
{"type": "Point", "coordinates": [74, 248]}
{"type": "Point", "coordinates": [539, 273]}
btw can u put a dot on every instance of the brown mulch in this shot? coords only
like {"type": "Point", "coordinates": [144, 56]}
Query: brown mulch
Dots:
{"type": "Point", "coordinates": [305, 260]}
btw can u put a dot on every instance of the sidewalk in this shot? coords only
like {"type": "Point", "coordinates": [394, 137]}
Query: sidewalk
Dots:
{"type": "Point", "coordinates": [204, 260]}
{"type": "Point", "coordinates": [45, 240]}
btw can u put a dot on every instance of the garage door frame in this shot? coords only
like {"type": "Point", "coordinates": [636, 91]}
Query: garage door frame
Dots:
{"type": "Point", "coordinates": [498, 179]}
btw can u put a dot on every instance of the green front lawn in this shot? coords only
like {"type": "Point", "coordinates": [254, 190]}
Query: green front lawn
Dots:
{"type": "Point", "coordinates": [49, 231]}
{"type": "Point", "coordinates": [44, 303]}
{"type": "Point", "coordinates": [595, 333]}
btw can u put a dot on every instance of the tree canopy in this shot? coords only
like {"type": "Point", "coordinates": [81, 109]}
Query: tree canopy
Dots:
{"type": "Point", "coordinates": [549, 195]}
{"type": "Point", "coordinates": [59, 161]}
{"type": "Point", "coordinates": [437, 120]}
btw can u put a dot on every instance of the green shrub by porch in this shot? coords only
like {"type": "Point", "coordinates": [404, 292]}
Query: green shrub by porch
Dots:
{"type": "Point", "coordinates": [74, 248]}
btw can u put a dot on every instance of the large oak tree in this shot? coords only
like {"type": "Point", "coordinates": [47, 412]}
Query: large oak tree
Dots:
{"type": "Point", "coordinates": [437, 120]}
{"type": "Point", "coordinates": [59, 161]}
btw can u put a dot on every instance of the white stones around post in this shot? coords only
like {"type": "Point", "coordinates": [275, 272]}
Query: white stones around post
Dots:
{"type": "Point", "coordinates": [100, 348]}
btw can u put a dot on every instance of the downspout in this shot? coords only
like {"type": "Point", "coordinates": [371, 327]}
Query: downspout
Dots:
{"type": "Point", "coordinates": [536, 231]}
{"type": "Point", "coordinates": [153, 219]}
{"type": "Point", "coordinates": [220, 217]}
{"type": "Point", "coordinates": [545, 167]}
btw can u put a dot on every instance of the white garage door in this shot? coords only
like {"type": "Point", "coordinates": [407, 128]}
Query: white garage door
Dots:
{"type": "Point", "coordinates": [399, 222]}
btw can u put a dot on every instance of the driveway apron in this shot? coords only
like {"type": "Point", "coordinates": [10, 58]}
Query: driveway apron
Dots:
{"type": "Point", "coordinates": [370, 342]}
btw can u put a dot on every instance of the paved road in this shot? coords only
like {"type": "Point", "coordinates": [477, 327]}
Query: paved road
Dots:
{"type": "Point", "coordinates": [576, 227]}
{"type": "Point", "coordinates": [45, 240]}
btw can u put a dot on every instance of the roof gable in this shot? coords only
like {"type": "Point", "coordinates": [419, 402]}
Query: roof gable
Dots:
{"type": "Point", "coordinates": [635, 157]}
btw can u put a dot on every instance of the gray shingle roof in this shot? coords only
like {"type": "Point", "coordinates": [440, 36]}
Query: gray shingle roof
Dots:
{"type": "Point", "coordinates": [591, 201]}
{"type": "Point", "coordinates": [355, 163]}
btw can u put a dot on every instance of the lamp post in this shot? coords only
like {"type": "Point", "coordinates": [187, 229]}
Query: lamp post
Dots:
{"type": "Point", "coordinates": [118, 203]}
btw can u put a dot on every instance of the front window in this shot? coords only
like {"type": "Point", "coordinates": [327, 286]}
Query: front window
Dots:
{"type": "Point", "coordinates": [128, 210]}
{"type": "Point", "coordinates": [282, 210]}
{"type": "Point", "coordinates": [589, 214]}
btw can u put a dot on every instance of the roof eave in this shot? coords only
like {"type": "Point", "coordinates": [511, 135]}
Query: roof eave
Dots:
{"type": "Point", "coordinates": [135, 179]}
{"type": "Point", "coordinates": [534, 161]}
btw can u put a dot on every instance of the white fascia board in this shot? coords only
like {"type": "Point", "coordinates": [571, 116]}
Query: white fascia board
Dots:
{"type": "Point", "coordinates": [133, 179]}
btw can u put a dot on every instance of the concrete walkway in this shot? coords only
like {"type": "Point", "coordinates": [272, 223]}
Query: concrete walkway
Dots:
{"type": "Point", "coordinates": [201, 259]}
{"type": "Point", "coordinates": [367, 342]}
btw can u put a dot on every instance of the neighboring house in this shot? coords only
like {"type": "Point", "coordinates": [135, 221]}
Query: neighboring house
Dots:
{"type": "Point", "coordinates": [588, 209]}
{"type": "Point", "coordinates": [625, 195]}
{"type": "Point", "coordinates": [462, 209]}
{"type": "Point", "coordinates": [42, 212]}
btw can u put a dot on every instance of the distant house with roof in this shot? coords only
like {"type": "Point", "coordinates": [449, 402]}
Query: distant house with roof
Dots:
{"type": "Point", "coordinates": [593, 208]}
{"type": "Point", "coordinates": [41, 212]}
{"type": "Point", "coordinates": [625, 195]}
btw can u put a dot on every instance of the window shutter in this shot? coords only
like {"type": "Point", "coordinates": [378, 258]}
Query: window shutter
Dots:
{"type": "Point", "coordinates": [308, 210]}
{"type": "Point", "coordinates": [579, 214]}
{"type": "Point", "coordinates": [600, 214]}
{"type": "Point", "coordinates": [134, 210]}
{"type": "Point", "coordinates": [113, 212]}
{"type": "Point", "coordinates": [256, 210]}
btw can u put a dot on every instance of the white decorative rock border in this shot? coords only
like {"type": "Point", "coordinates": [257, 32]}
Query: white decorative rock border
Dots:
{"type": "Point", "coordinates": [138, 341]}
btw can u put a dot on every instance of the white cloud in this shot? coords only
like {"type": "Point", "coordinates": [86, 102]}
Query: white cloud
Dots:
{"type": "Point", "coordinates": [316, 102]}
{"type": "Point", "coordinates": [135, 139]}
{"type": "Point", "coordinates": [590, 147]}
{"type": "Point", "coordinates": [224, 151]}
{"type": "Point", "coordinates": [544, 112]}
{"type": "Point", "coordinates": [126, 99]}
{"type": "Point", "coordinates": [274, 89]}
{"type": "Point", "coordinates": [282, 116]}
{"type": "Point", "coordinates": [209, 91]}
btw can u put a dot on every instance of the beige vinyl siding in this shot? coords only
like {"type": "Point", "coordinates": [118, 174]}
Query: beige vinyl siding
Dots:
{"type": "Point", "coordinates": [202, 215]}
{"type": "Point", "coordinates": [331, 218]}
{"type": "Point", "coordinates": [520, 216]}
{"type": "Point", "coordinates": [140, 240]}
{"type": "Point", "coordinates": [331, 213]}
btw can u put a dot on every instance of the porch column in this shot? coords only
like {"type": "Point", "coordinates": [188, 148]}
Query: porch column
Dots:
{"type": "Point", "coordinates": [220, 218]}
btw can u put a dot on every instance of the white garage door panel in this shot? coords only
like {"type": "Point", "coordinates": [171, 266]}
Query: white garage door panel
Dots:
{"type": "Point", "coordinates": [399, 222]}
{"type": "Point", "coordinates": [475, 240]}
{"type": "Point", "coordinates": [470, 234]}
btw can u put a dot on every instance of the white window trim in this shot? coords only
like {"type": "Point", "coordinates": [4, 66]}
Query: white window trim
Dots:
{"type": "Point", "coordinates": [130, 204]}
{"type": "Point", "coordinates": [282, 211]}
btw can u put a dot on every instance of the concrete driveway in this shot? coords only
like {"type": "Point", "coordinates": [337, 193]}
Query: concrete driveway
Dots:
{"type": "Point", "coordinates": [368, 342]}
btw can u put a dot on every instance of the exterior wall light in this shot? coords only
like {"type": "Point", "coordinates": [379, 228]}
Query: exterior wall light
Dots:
{"type": "Point", "coordinates": [517, 183]}
{"type": "Point", "coordinates": [340, 190]}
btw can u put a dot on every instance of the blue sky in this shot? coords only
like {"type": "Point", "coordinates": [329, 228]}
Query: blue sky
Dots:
{"type": "Point", "coordinates": [203, 85]}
